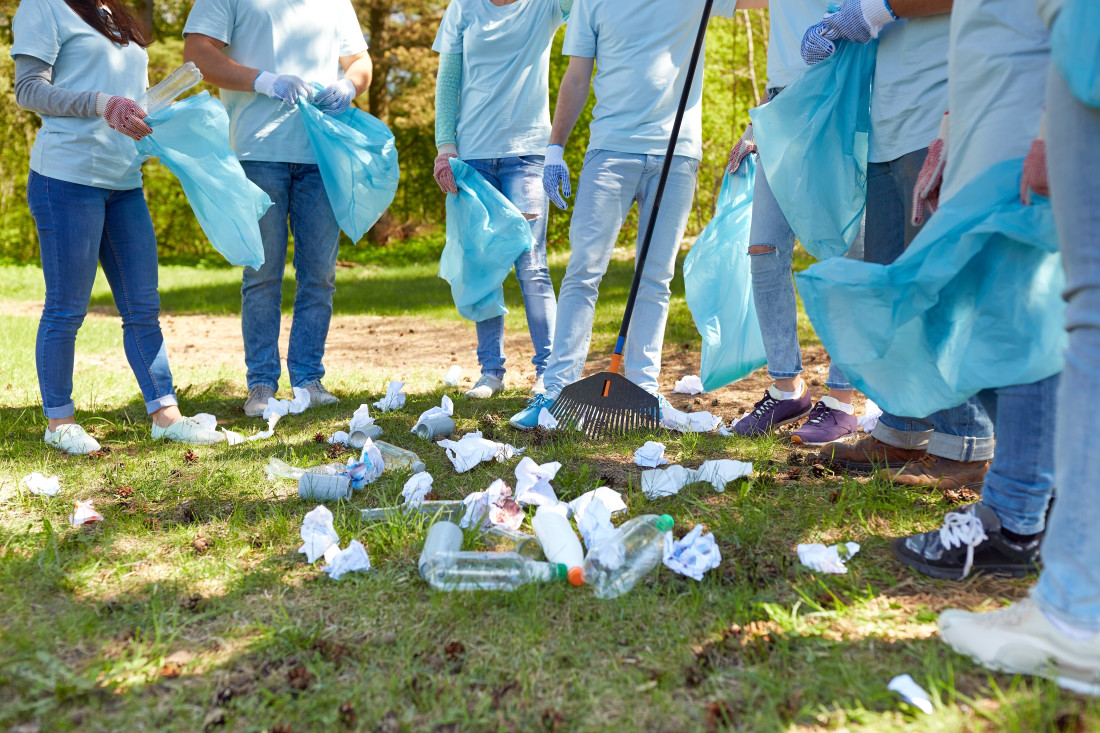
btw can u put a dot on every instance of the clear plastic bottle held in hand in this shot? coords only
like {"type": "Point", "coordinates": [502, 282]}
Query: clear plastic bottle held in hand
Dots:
{"type": "Point", "coordinates": [614, 566]}
{"type": "Point", "coordinates": [559, 541]}
{"type": "Point", "coordinates": [398, 458]}
{"type": "Point", "coordinates": [178, 82]}
{"type": "Point", "coordinates": [451, 571]}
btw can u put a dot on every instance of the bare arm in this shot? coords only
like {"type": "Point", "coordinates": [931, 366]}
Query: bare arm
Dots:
{"type": "Point", "coordinates": [572, 96]}
{"type": "Point", "coordinates": [217, 68]}
{"type": "Point", "coordinates": [920, 8]}
{"type": "Point", "coordinates": [358, 69]}
{"type": "Point", "coordinates": [751, 4]}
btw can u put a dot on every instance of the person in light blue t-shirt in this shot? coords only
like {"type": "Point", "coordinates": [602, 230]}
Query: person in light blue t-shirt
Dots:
{"type": "Point", "coordinates": [493, 110]}
{"type": "Point", "coordinates": [265, 56]}
{"type": "Point", "coordinates": [80, 65]}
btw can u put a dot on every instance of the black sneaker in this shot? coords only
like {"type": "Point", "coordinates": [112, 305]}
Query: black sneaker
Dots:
{"type": "Point", "coordinates": [970, 539]}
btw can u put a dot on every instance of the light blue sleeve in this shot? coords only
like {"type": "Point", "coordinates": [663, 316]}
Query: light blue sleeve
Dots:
{"type": "Point", "coordinates": [448, 85]}
{"type": "Point", "coordinates": [351, 33]}
{"type": "Point", "coordinates": [449, 38]}
{"type": "Point", "coordinates": [214, 18]}
{"type": "Point", "coordinates": [580, 34]}
{"type": "Point", "coordinates": [36, 32]}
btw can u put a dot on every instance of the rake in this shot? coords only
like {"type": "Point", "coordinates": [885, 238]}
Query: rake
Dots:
{"type": "Point", "coordinates": [608, 403]}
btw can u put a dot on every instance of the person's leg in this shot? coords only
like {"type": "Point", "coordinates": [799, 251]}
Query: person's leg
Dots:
{"type": "Point", "coordinates": [490, 333]}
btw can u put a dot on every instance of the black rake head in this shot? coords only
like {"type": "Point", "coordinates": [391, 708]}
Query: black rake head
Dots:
{"type": "Point", "coordinates": [606, 404]}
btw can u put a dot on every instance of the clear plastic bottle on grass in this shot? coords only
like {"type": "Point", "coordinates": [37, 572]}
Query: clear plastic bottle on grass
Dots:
{"type": "Point", "coordinates": [506, 539]}
{"type": "Point", "coordinates": [437, 510]}
{"type": "Point", "coordinates": [614, 566]}
{"type": "Point", "coordinates": [451, 571]}
{"type": "Point", "coordinates": [398, 458]}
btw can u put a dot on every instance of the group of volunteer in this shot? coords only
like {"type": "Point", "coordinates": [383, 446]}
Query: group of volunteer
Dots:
{"type": "Point", "coordinates": [957, 105]}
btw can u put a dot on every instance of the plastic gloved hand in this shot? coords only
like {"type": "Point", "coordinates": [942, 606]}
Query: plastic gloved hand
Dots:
{"type": "Point", "coordinates": [125, 116]}
{"type": "Point", "coordinates": [857, 21]}
{"type": "Point", "coordinates": [741, 149]}
{"type": "Point", "coordinates": [335, 98]}
{"type": "Point", "coordinates": [286, 88]}
{"type": "Point", "coordinates": [926, 193]}
{"type": "Point", "coordinates": [1034, 177]}
{"type": "Point", "coordinates": [443, 174]}
{"type": "Point", "coordinates": [555, 174]}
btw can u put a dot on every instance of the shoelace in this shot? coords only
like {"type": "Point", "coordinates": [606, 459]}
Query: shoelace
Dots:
{"type": "Point", "coordinates": [963, 529]}
{"type": "Point", "coordinates": [759, 408]}
{"type": "Point", "coordinates": [820, 412]}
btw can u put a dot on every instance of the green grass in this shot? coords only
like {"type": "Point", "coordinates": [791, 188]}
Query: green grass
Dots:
{"type": "Point", "coordinates": [189, 607]}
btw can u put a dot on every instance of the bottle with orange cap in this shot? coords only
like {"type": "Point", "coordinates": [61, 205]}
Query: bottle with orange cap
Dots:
{"type": "Point", "coordinates": [559, 541]}
{"type": "Point", "coordinates": [614, 566]}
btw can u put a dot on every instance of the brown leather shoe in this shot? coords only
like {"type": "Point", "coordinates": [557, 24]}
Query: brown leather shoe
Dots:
{"type": "Point", "coordinates": [867, 454]}
{"type": "Point", "coordinates": [939, 473]}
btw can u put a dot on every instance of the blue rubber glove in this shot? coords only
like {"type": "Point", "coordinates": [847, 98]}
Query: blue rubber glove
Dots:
{"type": "Point", "coordinates": [335, 98]}
{"type": "Point", "coordinates": [857, 21]}
{"type": "Point", "coordinates": [555, 174]}
{"type": "Point", "coordinates": [286, 88]}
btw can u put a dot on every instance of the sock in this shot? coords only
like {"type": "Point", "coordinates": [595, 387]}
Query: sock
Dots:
{"type": "Point", "coordinates": [834, 404]}
{"type": "Point", "coordinates": [1020, 539]}
{"type": "Point", "coordinates": [792, 395]}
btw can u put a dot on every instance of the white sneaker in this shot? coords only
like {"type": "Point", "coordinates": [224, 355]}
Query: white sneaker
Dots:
{"type": "Point", "coordinates": [1020, 639]}
{"type": "Point", "coordinates": [187, 430]}
{"type": "Point", "coordinates": [72, 439]}
{"type": "Point", "coordinates": [540, 387]}
{"type": "Point", "coordinates": [486, 387]}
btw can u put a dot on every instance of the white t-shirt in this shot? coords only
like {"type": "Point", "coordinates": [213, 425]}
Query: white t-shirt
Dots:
{"type": "Point", "coordinates": [642, 50]}
{"type": "Point", "coordinates": [81, 150]}
{"type": "Point", "coordinates": [504, 104]}
{"type": "Point", "coordinates": [305, 38]}
{"type": "Point", "coordinates": [787, 22]}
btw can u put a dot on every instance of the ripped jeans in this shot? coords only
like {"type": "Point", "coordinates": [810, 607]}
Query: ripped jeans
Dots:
{"type": "Point", "coordinates": [520, 180]}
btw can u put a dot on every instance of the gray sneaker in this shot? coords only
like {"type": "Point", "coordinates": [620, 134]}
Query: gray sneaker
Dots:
{"type": "Point", "coordinates": [258, 397]}
{"type": "Point", "coordinates": [486, 387]}
{"type": "Point", "coordinates": [318, 395]}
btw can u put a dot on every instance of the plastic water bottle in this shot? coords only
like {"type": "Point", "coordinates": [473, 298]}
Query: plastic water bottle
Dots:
{"type": "Point", "coordinates": [452, 571]}
{"type": "Point", "coordinates": [614, 566]}
{"type": "Point", "coordinates": [178, 82]}
{"type": "Point", "coordinates": [437, 510]}
{"type": "Point", "coordinates": [559, 541]}
{"type": "Point", "coordinates": [397, 458]}
{"type": "Point", "coordinates": [442, 537]}
{"type": "Point", "coordinates": [506, 539]}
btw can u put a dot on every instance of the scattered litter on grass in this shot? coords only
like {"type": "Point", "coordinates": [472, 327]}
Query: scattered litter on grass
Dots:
{"type": "Point", "coordinates": [282, 408]}
{"type": "Point", "coordinates": [548, 421]}
{"type": "Point", "coordinates": [651, 455]}
{"type": "Point", "coordinates": [595, 525]}
{"type": "Point", "coordinates": [436, 420]}
{"type": "Point", "coordinates": [533, 483]}
{"type": "Point", "coordinates": [318, 534]}
{"type": "Point", "coordinates": [368, 468]}
{"type": "Point", "coordinates": [869, 419]}
{"type": "Point", "coordinates": [911, 692]}
{"type": "Point", "coordinates": [417, 488]}
{"type": "Point", "coordinates": [472, 449]}
{"type": "Point", "coordinates": [822, 559]}
{"type": "Point", "coordinates": [693, 555]}
{"type": "Point", "coordinates": [688, 422]}
{"type": "Point", "coordinates": [339, 438]}
{"type": "Point", "coordinates": [612, 500]}
{"type": "Point", "coordinates": [690, 384]}
{"type": "Point", "coordinates": [659, 482]}
{"type": "Point", "coordinates": [209, 422]}
{"type": "Point", "coordinates": [84, 513]}
{"type": "Point", "coordinates": [394, 399]}
{"type": "Point", "coordinates": [453, 376]}
{"type": "Point", "coordinates": [495, 505]}
{"type": "Point", "coordinates": [38, 484]}
{"type": "Point", "coordinates": [351, 559]}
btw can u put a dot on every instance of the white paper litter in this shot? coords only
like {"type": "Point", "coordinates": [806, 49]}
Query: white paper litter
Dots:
{"type": "Point", "coordinates": [822, 559]}
{"type": "Point", "coordinates": [360, 419]}
{"type": "Point", "coordinates": [651, 455]}
{"type": "Point", "coordinates": [41, 485]}
{"type": "Point", "coordinates": [690, 384]}
{"type": "Point", "coordinates": [693, 555]}
{"type": "Point", "coordinates": [453, 376]}
{"type": "Point", "coordinates": [368, 467]}
{"type": "Point", "coordinates": [206, 421]}
{"type": "Point", "coordinates": [609, 498]}
{"type": "Point", "coordinates": [659, 482]}
{"type": "Point", "coordinates": [533, 483]}
{"type": "Point", "coordinates": [479, 504]}
{"type": "Point", "coordinates": [595, 525]}
{"type": "Point", "coordinates": [318, 534]}
{"type": "Point", "coordinates": [546, 420]}
{"type": "Point", "coordinates": [394, 399]}
{"type": "Point", "coordinates": [869, 419]}
{"type": "Point", "coordinates": [351, 559]}
{"type": "Point", "coordinates": [911, 692]}
{"type": "Point", "coordinates": [339, 437]}
{"type": "Point", "coordinates": [446, 407]}
{"type": "Point", "coordinates": [282, 408]}
{"type": "Point", "coordinates": [416, 488]}
{"type": "Point", "coordinates": [688, 422]}
{"type": "Point", "coordinates": [84, 513]}
{"type": "Point", "coordinates": [472, 449]}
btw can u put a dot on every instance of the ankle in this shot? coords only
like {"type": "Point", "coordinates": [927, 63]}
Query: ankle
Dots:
{"type": "Point", "coordinates": [790, 388]}
{"type": "Point", "coordinates": [55, 423]}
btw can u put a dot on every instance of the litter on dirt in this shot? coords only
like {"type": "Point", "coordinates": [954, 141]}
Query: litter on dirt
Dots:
{"type": "Point", "coordinates": [41, 485]}
{"type": "Point", "coordinates": [690, 384]}
{"type": "Point", "coordinates": [651, 455]}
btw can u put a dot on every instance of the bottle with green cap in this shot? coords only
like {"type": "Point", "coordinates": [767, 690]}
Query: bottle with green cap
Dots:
{"type": "Point", "coordinates": [450, 571]}
{"type": "Point", "coordinates": [615, 565]}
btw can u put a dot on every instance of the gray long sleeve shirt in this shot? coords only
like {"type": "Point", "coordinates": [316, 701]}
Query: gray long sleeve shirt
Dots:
{"type": "Point", "coordinates": [34, 91]}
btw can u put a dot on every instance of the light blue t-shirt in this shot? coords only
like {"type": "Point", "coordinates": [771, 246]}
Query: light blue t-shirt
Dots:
{"type": "Point", "coordinates": [305, 38]}
{"type": "Point", "coordinates": [81, 150]}
{"type": "Point", "coordinates": [910, 92]}
{"type": "Point", "coordinates": [788, 21]}
{"type": "Point", "coordinates": [504, 104]}
{"type": "Point", "coordinates": [642, 50]}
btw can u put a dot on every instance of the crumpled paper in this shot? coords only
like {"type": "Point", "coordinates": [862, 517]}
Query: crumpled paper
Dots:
{"type": "Point", "coordinates": [453, 376]}
{"type": "Point", "coordinates": [659, 482]}
{"type": "Point", "coordinates": [394, 399]}
{"type": "Point", "coordinates": [282, 408]}
{"type": "Point", "coordinates": [417, 488]}
{"type": "Point", "coordinates": [911, 692]}
{"type": "Point", "coordinates": [822, 559]}
{"type": "Point", "coordinates": [209, 422]}
{"type": "Point", "coordinates": [651, 455]}
{"type": "Point", "coordinates": [533, 483]}
{"type": "Point", "coordinates": [688, 422]}
{"type": "Point", "coordinates": [84, 513]}
{"type": "Point", "coordinates": [612, 500]}
{"type": "Point", "coordinates": [38, 484]}
{"type": "Point", "coordinates": [693, 555]}
{"type": "Point", "coordinates": [351, 559]}
{"type": "Point", "coordinates": [495, 505]}
{"type": "Point", "coordinates": [340, 437]}
{"type": "Point", "coordinates": [548, 421]}
{"type": "Point", "coordinates": [690, 384]}
{"type": "Point", "coordinates": [595, 525]}
{"type": "Point", "coordinates": [367, 468]}
{"type": "Point", "coordinates": [869, 419]}
{"type": "Point", "coordinates": [472, 449]}
{"type": "Point", "coordinates": [446, 407]}
{"type": "Point", "coordinates": [318, 534]}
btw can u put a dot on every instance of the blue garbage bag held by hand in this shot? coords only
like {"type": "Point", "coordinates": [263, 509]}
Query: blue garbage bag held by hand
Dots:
{"type": "Point", "coordinates": [813, 140]}
{"type": "Point", "coordinates": [718, 285]}
{"type": "Point", "coordinates": [486, 233]}
{"type": "Point", "coordinates": [973, 303]}
{"type": "Point", "coordinates": [191, 139]}
{"type": "Point", "coordinates": [357, 156]}
{"type": "Point", "coordinates": [1075, 48]}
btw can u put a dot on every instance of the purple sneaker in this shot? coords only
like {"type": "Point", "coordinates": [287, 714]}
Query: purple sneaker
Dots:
{"type": "Point", "coordinates": [771, 412]}
{"type": "Point", "coordinates": [827, 423]}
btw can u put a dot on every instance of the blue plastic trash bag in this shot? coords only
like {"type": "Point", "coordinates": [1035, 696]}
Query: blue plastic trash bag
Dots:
{"type": "Point", "coordinates": [357, 157]}
{"type": "Point", "coordinates": [1075, 48]}
{"type": "Point", "coordinates": [813, 142]}
{"type": "Point", "coordinates": [718, 286]}
{"type": "Point", "coordinates": [191, 138]}
{"type": "Point", "coordinates": [974, 302]}
{"type": "Point", "coordinates": [486, 233]}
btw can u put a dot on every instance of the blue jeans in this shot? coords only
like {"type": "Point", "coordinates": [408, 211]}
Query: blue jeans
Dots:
{"type": "Point", "coordinates": [298, 193]}
{"type": "Point", "coordinates": [78, 226]}
{"type": "Point", "coordinates": [1069, 587]}
{"type": "Point", "coordinates": [964, 432]}
{"type": "Point", "coordinates": [609, 184]}
{"type": "Point", "coordinates": [520, 180]}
